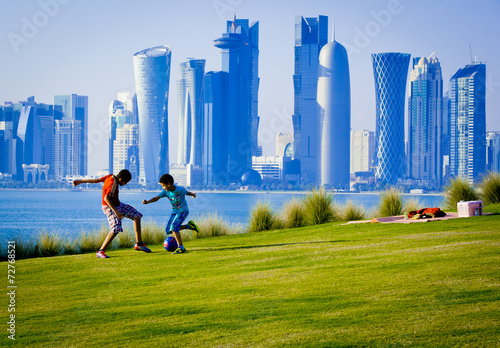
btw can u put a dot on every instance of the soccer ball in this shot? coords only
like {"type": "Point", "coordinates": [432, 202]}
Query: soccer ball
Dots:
{"type": "Point", "coordinates": [170, 244]}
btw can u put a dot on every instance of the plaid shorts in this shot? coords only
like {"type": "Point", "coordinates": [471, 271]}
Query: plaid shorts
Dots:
{"type": "Point", "coordinates": [175, 221]}
{"type": "Point", "coordinates": [116, 224]}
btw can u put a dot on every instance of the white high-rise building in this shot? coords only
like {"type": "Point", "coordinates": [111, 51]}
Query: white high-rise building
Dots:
{"type": "Point", "coordinates": [468, 122]}
{"type": "Point", "coordinates": [126, 150]}
{"type": "Point", "coordinates": [123, 112]}
{"type": "Point", "coordinates": [362, 151]}
{"type": "Point", "coordinates": [191, 112]}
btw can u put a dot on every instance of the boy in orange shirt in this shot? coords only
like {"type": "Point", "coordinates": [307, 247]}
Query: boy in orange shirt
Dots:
{"type": "Point", "coordinates": [115, 210]}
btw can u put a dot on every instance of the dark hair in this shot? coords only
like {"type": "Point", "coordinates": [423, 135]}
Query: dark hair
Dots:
{"type": "Point", "coordinates": [166, 179]}
{"type": "Point", "coordinates": [125, 175]}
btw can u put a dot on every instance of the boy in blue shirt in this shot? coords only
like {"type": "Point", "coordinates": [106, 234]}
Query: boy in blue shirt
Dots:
{"type": "Point", "coordinates": [177, 197]}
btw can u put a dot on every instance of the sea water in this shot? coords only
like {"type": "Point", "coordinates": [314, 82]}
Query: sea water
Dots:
{"type": "Point", "coordinates": [68, 213]}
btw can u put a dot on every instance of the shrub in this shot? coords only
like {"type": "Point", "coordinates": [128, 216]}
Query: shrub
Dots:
{"type": "Point", "coordinates": [48, 245]}
{"type": "Point", "coordinates": [262, 218]}
{"type": "Point", "coordinates": [293, 214]}
{"type": "Point", "coordinates": [319, 208]}
{"type": "Point", "coordinates": [490, 188]}
{"type": "Point", "coordinates": [391, 203]}
{"type": "Point", "coordinates": [353, 212]}
{"type": "Point", "coordinates": [459, 190]}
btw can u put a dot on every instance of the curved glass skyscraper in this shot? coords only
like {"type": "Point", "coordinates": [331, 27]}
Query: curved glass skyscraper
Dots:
{"type": "Point", "coordinates": [152, 75]}
{"type": "Point", "coordinates": [390, 71]}
{"type": "Point", "coordinates": [334, 100]}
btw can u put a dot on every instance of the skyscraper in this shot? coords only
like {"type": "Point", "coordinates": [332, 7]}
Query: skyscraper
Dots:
{"type": "Point", "coordinates": [74, 107]}
{"type": "Point", "coordinates": [311, 34]}
{"type": "Point", "coordinates": [390, 71]}
{"type": "Point", "coordinates": [191, 112]}
{"type": "Point", "coordinates": [122, 111]}
{"type": "Point", "coordinates": [425, 122]}
{"type": "Point", "coordinates": [67, 140]}
{"type": "Point", "coordinates": [126, 150]}
{"type": "Point", "coordinates": [216, 128]}
{"type": "Point", "coordinates": [362, 150]}
{"type": "Point", "coordinates": [240, 58]}
{"type": "Point", "coordinates": [493, 150]}
{"type": "Point", "coordinates": [152, 76]}
{"type": "Point", "coordinates": [468, 122]}
{"type": "Point", "coordinates": [124, 135]}
{"type": "Point", "coordinates": [334, 100]}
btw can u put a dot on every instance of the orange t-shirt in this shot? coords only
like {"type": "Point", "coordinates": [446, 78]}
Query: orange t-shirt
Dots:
{"type": "Point", "coordinates": [110, 189]}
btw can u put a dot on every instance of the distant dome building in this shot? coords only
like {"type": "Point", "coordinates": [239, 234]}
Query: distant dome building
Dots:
{"type": "Point", "coordinates": [251, 177]}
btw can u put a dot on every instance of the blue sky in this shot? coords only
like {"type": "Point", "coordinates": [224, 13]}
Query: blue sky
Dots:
{"type": "Point", "coordinates": [54, 47]}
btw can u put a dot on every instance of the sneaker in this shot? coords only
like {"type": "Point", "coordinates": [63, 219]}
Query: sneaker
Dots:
{"type": "Point", "coordinates": [193, 226]}
{"type": "Point", "coordinates": [142, 248]}
{"type": "Point", "coordinates": [100, 254]}
{"type": "Point", "coordinates": [180, 251]}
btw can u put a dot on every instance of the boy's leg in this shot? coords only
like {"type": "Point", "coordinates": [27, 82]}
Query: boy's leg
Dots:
{"type": "Point", "coordinates": [137, 229]}
{"type": "Point", "coordinates": [108, 240]}
{"type": "Point", "coordinates": [176, 227]}
{"type": "Point", "coordinates": [131, 213]}
{"type": "Point", "coordinates": [115, 226]}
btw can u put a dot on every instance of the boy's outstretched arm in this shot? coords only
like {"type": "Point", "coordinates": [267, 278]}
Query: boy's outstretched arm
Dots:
{"type": "Point", "coordinates": [86, 181]}
{"type": "Point", "coordinates": [192, 194]}
{"type": "Point", "coordinates": [152, 200]}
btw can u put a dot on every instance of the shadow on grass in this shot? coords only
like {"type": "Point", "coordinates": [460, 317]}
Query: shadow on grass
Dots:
{"type": "Point", "coordinates": [270, 245]}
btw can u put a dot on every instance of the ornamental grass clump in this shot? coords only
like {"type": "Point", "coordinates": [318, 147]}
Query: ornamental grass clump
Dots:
{"type": "Point", "coordinates": [412, 204]}
{"type": "Point", "coordinates": [152, 233]}
{"type": "Point", "coordinates": [391, 203]}
{"type": "Point", "coordinates": [353, 212]}
{"type": "Point", "coordinates": [319, 208]}
{"type": "Point", "coordinates": [214, 226]}
{"type": "Point", "coordinates": [490, 188]}
{"type": "Point", "coordinates": [91, 241]}
{"type": "Point", "coordinates": [459, 190]}
{"type": "Point", "coordinates": [293, 214]}
{"type": "Point", "coordinates": [48, 245]}
{"type": "Point", "coordinates": [263, 218]}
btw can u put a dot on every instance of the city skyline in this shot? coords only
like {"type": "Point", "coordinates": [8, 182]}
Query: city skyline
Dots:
{"type": "Point", "coordinates": [377, 26]}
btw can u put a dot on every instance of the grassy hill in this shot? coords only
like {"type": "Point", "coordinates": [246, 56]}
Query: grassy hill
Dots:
{"type": "Point", "coordinates": [430, 284]}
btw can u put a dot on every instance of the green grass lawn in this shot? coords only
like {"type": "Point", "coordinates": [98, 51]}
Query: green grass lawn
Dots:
{"type": "Point", "coordinates": [430, 284]}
